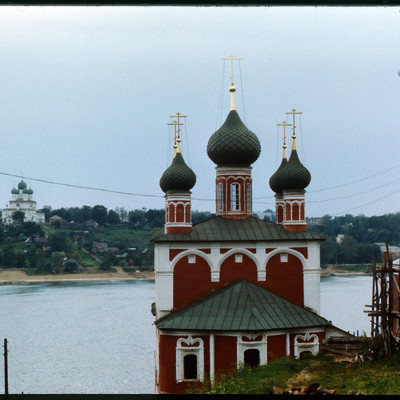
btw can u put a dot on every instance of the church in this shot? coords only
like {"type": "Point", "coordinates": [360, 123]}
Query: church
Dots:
{"type": "Point", "coordinates": [234, 290]}
{"type": "Point", "coordinates": [22, 201]}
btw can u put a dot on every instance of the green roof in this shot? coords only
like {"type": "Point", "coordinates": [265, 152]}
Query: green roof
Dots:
{"type": "Point", "coordinates": [241, 306]}
{"type": "Point", "coordinates": [249, 229]}
{"type": "Point", "coordinates": [178, 176]}
{"type": "Point", "coordinates": [233, 143]}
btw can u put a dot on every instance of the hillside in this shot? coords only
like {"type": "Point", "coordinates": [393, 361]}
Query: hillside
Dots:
{"type": "Point", "coordinates": [333, 375]}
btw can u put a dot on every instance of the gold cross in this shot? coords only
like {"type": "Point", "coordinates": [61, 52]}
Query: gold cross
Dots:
{"type": "Point", "coordinates": [284, 124]}
{"type": "Point", "coordinates": [177, 136]}
{"type": "Point", "coordinates": [294, 126]}
{"type": "Point", "coordinates": [231, 57]}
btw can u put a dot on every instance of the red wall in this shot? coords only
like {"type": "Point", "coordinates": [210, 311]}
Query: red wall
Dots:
{"type": "Point", "coordinates": [167, 361]}
{"type": "Point", "coordinates": [225, 354]}
{"type": "Point", "coordinates": [191, 281]}
{"type": "Point", "coordinates": [276, 347]}
{"type": "Point", "coordinates": [285, 279]}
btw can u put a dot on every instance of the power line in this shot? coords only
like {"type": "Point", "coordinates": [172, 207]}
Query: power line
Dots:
{"type": "Point", "coordinates": [367, 204]}
{"type": "Point", "coordinates": [344, 184]}
{"type": "Point", "coordinates": [80, 186]}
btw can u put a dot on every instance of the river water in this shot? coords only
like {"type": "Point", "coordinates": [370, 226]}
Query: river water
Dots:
{"type": "Point", "coordinates": [98, 337]}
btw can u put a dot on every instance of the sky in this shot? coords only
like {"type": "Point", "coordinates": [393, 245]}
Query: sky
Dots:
{"type": "Point", "coordinates": [87, 93]}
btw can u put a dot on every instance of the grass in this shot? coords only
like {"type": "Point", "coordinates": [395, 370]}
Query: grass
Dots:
{"type": "Point", "coordinates": [370, 378]}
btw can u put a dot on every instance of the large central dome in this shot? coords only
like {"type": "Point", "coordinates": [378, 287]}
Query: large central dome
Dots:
{"type": "Point", "coordinates": [233, 143]}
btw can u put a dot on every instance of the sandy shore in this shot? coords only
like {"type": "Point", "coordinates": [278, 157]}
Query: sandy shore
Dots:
{"type": "Point", "coordinates": [7, 276]}
{"type": "Point", "coordinates": [331, 270]}
{"type": "Point", "coordinates": [16, 276]}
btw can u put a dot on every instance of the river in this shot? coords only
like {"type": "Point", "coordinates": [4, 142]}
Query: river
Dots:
{"type": "Point", "coordinates": [98, 337]}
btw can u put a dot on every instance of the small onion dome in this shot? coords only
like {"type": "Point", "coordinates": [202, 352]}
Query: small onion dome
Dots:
{"type": "Point", "coordinates": [274, 181]}
{"type": "Point", "coordinates": [22, 185]}
{"type": "Point", "coordinates": [178, 176]}
{"type": "Point", "coordinates": [30, 191]}
{"type": "Point", "coordinates": [25, 191]}
{"type": "Point", "coordinates": [233, 143]}
{"type": "Point", "coordinates": [294, 175]}
{"type": "Point", "coordinates": [14, 191]}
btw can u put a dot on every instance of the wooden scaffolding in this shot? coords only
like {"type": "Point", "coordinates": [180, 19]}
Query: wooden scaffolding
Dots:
{"type": "Point", "coordinates": [385, 307]}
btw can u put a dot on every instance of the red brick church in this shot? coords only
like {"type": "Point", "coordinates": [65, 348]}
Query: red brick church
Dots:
{"type": "Point", "coordinates": [235, 290]}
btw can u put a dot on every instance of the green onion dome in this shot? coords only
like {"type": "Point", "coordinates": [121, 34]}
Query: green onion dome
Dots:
{"type": "Point", "coordinates": [274, 181]}
{"type": "Point", "coordinates": [29, 191]}
{"type": "Point", "coordinates": [233, 143]}
{"type": "Point", "coordinates": [25, 191]}
{"type": "Point", "coordinates": [14, 191]}
{"type": "Point", "coordinates": [294, 175]}
{"type": "Point", "coordinates": [178, 176]}
{"type": "Point", "coordinates": [22, 185]}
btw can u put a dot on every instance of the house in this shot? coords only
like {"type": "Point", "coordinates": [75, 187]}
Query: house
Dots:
{"type": "Point", "coordinates": [55, 218]}
{"type": "Point", "coordinates": [99, 247]}
{"type": "Point", "coordinates": [234, 290]}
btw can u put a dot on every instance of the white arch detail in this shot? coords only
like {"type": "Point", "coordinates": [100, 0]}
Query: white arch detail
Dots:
{"type": "Point", "coordinates": [192, 253]}
{"type": "Point", "coordinates": [286, 251]}
{"type": "Point", "coordinates": [239, 251]}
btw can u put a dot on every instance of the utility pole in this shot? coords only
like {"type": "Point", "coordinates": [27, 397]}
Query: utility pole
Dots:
{"type": "Point", "coordinates": [5, 367]}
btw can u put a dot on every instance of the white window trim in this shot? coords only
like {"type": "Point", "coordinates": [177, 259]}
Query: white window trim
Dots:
{"type": "Point", "coordinates": [220, 196]}
{"type": "Point", "coordinates": [260, 345]}
{"type": "Point", "coordinates": [249, 197]}
{"type": "Point", "coordinates": [312, 344]}
{"type": "Point", "coordinates": [196, 348]}
{"type": "Point", "coordinates": [235, 196]}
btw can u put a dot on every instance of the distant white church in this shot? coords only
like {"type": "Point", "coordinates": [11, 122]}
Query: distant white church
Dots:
{"type": "Point", "coordinates": [22, 201]}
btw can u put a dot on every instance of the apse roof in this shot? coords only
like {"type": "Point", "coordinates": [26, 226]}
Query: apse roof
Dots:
{"type": "Point", "coordinates": [241, 306]}
{"type": "Point", "coordinates": [249, 229]}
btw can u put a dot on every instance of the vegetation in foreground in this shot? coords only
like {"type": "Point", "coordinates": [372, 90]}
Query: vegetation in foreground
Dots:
{"type": "Point", "coordinates": [378, 377]}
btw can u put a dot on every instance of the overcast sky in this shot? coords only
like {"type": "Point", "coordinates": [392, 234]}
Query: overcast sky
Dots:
{"type": "Point", "coordinates": [86, 95]}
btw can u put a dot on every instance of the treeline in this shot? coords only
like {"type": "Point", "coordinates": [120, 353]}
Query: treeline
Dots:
{"type": "Point", "coordinates": [352, 239]}
{"type": "Point", "coordinates": [137, 218]}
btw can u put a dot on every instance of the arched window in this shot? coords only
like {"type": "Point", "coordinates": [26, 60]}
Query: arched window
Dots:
{"type": "Point", "coordinates": [249, 197]}
{"type": "Point", "coordinates": [220, 196]}
{"type": "Point", "coordinates": [252, 357]}
{"type": "Point", "coordinates": [189, 359]}
{"type": "Point", "coordinates": [235, 196]}
{"type": "Point", "coordinates": [190, 366]}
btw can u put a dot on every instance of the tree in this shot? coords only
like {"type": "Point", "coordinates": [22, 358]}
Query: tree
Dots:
{"type": "Point", "coordinates": [8, 256]}
{"type": "Point", "coordinates": [99, 214]}
{"type": "Point", "coordinates": [20, 260]}
{"type": "Point", "coordinates": [57, 259]}
{"type": "Point", "coordinates": [59, 241]}
{"type": "Point", "coordinates": [109, 260]}
{"type": "Point", "coordinates": [113, 217]}
{"type": "Point", "coordinates": [18, 216]}
{"type": "Point", "coordinates": [32, 257]}
{"type": "Point", "coordinates": [71, 266]}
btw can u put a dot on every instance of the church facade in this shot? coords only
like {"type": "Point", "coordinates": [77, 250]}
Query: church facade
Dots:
{"type": "Point", "coordinates": [234, 290]}
{"type": "Point", "coordinates": [22, 201]}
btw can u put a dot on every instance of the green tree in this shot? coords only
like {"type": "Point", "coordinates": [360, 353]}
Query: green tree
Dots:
{"type": "Point", "coordinates": [57, 260]}
{"type": "Point", "coordinates": [59, 241]}
{"type": "Point", "coordinates": [32, 257]}
{"type": "Point", "coordinates": [109, 260]}
{"type": "Point", "coordinates": [113, 217]}
{"type": "Point", "coordinates": [20, 260]}
{"type": "Point", "coordinates": [8, 256]}
{"type": "Point", "coordinates": [71, 266]}
{"type": "Point", "coordinates": [99, 214]}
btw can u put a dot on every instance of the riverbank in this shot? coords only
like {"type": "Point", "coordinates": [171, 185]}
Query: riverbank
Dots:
{"type": "Point", "coordinates": [16, 276]}
{"type": "Point", "coordinates": [333, 270]}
